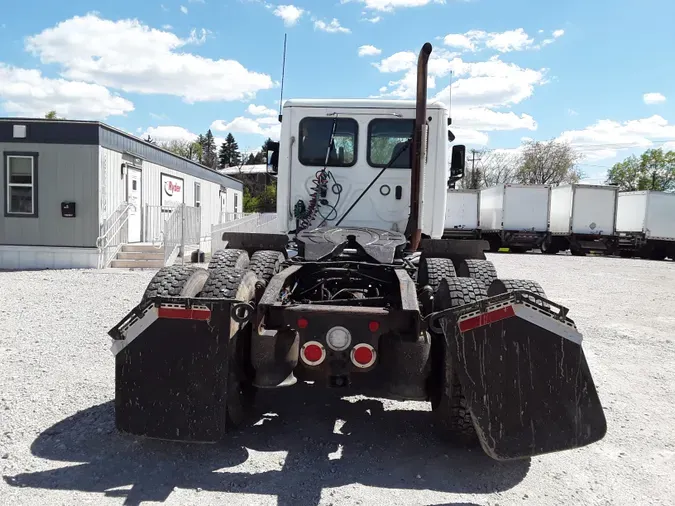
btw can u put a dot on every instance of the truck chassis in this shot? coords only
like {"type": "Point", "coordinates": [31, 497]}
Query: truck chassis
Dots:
{"type": "Point", "coordinates": [499, 363]}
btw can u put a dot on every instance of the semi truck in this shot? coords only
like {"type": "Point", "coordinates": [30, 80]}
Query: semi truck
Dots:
{"type": "Point", "coordinates": [645, 224]}
{"type": "Point", "coordinates": [373, 301]}
{"type": "Point", "coordinates": [582, 219]}
{"type": "Point", "coordinates": [515, 216]}
{"type": "Point", "coordinates": [462, 214]}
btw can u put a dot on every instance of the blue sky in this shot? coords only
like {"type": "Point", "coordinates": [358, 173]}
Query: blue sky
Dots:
{"type": "Point", "coordinates": [598, 74]}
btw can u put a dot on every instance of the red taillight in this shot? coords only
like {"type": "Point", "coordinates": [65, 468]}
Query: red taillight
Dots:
{"type": "Point", "coordinates": [302, 323]}
{"type": "Point", "coordinates": [374, 326]}
{"type": "Point", "coordinates": [313, 353]}
{"type": "Point", "coordinates": [363, 355]}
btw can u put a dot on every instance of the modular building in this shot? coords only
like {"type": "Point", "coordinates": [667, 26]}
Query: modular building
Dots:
{"type": "Point", "coordinates": [69, 186]}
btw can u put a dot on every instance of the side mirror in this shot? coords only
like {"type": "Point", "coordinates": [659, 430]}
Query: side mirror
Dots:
{"type": "Point", "coordinates": [273, 158]}
{"type": "Point", "coordinates": [458, 162]}
{"type": "Point", "coordinates": [451, 136]}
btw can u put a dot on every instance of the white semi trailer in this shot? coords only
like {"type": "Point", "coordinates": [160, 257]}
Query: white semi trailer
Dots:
{"type": "Point", "coordinates": [462, 214]}
{"type": "Point", "coordinates": [645, 224]}
{"type": "Point", "coordinates": [515, 216]}
{"type": "Point", "coordinates": [582, 219]}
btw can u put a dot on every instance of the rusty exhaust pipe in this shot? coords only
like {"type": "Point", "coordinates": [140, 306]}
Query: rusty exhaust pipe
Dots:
{"type": "Point", "coordinates": [414, 230]}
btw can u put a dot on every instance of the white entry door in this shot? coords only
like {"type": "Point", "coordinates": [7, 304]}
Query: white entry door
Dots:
{"type": "Point", "coordinates": [134, 198]}
{"type": "Point", "coordinates": [223, 205]}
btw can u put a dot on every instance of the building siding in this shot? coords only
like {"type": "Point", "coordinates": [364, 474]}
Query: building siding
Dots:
{"type": "Point", "coordinates": [113, 191]}
{"type": "Point", "coordinates": [66, 172]}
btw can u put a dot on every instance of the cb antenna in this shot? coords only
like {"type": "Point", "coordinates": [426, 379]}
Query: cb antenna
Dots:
{"type": "Point", "coordinates": [450, 102]}
{"type": "Point", "coordinates": [283, 75]}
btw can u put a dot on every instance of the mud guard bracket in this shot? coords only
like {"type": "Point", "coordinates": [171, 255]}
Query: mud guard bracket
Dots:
{"type": "Point", "coordinates": [251, 242]}
{"type": "Point", "coordinates": [454, 249]}
{"type": "Point", "coordinates": [524, 375]}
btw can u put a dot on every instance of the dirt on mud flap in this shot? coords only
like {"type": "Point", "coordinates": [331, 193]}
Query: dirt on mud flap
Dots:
{"type": "Point", "coordinates": [524, 375]}
{"type": "Point", "coordinates": [172, 367]}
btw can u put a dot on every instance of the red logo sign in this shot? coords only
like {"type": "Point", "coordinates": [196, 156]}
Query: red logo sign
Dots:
{"type": "Point", "coordinates": [170, 188]}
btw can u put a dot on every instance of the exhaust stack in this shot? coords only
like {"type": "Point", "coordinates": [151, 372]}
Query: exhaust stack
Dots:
{"type": "Point", "coordinates": [413, 230]}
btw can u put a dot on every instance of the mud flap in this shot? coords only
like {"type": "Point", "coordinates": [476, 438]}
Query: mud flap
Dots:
{"type": "Point", "coordinates": [171, 368]}
{"type": "Point", "coordinates": [524, 376]}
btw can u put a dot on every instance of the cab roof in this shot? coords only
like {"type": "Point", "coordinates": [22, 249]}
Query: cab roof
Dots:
{"type": "Point", "coordinates": [359, 103]}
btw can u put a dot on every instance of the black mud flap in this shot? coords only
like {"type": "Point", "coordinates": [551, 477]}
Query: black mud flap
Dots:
{"type": "Point", "coordinates": [524, 376]}
{"type": "Point", "coordinates": [171, 367]}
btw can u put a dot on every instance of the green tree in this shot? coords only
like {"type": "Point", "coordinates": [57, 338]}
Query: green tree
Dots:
{"type": "Point", "coordinates": [548, 162]}
{"type": "Point", "coordinates": [229, 155]}
{"type": "Point", "coordinates": [52, 115]}
{"type": "Point", "coordinates": [653, 170]}
{"type": "Point", "coordinates": [209, 150]}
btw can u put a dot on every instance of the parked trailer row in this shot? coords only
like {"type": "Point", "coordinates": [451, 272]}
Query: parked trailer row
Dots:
{"type": "Point", "coordinates": [580, 218]}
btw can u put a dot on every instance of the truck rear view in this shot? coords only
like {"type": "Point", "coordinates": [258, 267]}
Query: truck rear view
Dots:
{"type": "Point", "coordinates": [645, 224]}
{"type": "Point", "coordinates": [514, 216]}
{"type": "Point", "coordinates": [582, 219]}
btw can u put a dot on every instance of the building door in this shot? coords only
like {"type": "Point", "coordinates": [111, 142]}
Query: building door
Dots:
{"type": "Point", "coordinates": [223, 206]}
{"type": "Point", "coordinates": [134, 198]}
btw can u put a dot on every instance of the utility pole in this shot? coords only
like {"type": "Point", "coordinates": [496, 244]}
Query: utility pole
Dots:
{"type": "Point", "coordinates": [474, 180]}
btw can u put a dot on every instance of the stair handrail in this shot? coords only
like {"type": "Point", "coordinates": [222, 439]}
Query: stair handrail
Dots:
{"type": "Point", "coordinates": [114, 227]}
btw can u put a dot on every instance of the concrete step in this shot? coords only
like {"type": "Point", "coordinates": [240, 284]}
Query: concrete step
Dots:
{"type": "Point", "coordinates": [137, 264]}
{"type": "Point", "coordinates": [140, 247]}
{"type": "Point", "coordinates": [141, 255]}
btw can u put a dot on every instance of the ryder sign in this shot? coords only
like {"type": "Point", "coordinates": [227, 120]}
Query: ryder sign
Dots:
{"type": "Point", "coordinates": [172, 190]}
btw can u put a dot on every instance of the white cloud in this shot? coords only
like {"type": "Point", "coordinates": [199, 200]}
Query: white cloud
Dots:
{"type": "Point", "coordinates": [332, 27]}
{"type": "Point", "coordinates": [289, 13]}
{"type": "Point", "coordinates": [245, 125]}
{"type": "Point", "coordinates": [183, 9]}
{"type": "Point", "coordinates": [469, 136]}
{"type": "Point", "coordinates": [374, 19]}
{"type": "Point", "coordinates": [397, 62]}
{"type": "Point", "coordinates": [458, 40]}
{"type": "Point", "coordinates": [133, 57]}
{"type": "Point", "coordinates": [572, 112]}
{"type": "Point", "coordinates": [653, 98]}
{"type": "Point", "coordinates": [197, 1]}
{"type": "Point", "coordinates": [261, 110]}
{"type": "Point", "coordinates": [606, 138]}
{"type": "Point", "coordinates": [369, 50]}
{"type": "Point", "coordinates": [27, 92]}
{"type": "Point", "coordinates": [481, 96]}
{"type": "Point", "coordinates": [167, 27]}
{"type": "Point", "coordinates": [169, 133]}
{"type": "Point", "coordinates": [511, 40]}
{"type": "Point", "coordinates": [503, 42]}
{"type": "Point", "coordinates": [391, 5]}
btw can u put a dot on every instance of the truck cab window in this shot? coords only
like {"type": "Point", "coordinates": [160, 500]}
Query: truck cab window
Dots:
{"type": "Point", "coordinates": [385, 138]}
{"type": "Point", "coordinates": [314, 136]}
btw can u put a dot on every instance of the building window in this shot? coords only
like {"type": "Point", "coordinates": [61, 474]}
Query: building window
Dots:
{"type": "Point", "coordinates": [385, 138]}
{"type": "Point", "coordinates": [236, 203]}
{"type": "Point", "coordinates": [198, 195]}
{"type": "Point", "coordinates": [315, 134]}
{"type": "Point", "coordinates": [21, 184]}
{"type": "Point", "coordinates": [19, 131]}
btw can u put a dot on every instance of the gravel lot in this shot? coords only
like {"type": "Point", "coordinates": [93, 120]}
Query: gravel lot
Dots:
{"type": "Point", "coordinates": [58, 444]}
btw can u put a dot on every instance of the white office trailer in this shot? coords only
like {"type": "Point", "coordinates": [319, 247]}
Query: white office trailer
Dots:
{"type": "Point", "coordinates": [82, 194]}
{"type": "Point", "coordinates": [515, 216]}
{"type": "Point", "coordinates": [462, 214]}
{"type": "Point", "coordinates": [582, 219]}
{"type": "Point", "coordinates": [645, 224]}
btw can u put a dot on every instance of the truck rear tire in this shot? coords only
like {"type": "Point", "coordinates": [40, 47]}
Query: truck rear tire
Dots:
{"type": "Point", "coordinates": [176, 281]}
{"type": "Point", "coordinates": [550, 247]}
{"type": "Point", "coordinates": [229, 259]}
{"type": "Point", "coordinates": [448, 405]}
{"type": "Point", "coordinates": [500, 286]}
{"type": "Point", "coordinates": [482, 270]}
{"type": "Point", "coordinates": [432, 271]}
{"type": "Point", "coordinates": [265, 264]}
{"type": "Point", "coordinates": [230, 283]}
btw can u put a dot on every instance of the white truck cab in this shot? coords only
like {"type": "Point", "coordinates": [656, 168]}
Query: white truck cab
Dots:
{"type": "Point", "coordinates": [365, 134]}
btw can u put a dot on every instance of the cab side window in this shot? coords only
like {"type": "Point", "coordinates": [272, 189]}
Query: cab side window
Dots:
{"type": "Point", "coordinates": [386, 137]}
{"type": "Point", "coordinates": [314, 138]}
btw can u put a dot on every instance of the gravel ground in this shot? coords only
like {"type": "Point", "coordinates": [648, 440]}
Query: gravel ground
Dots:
{"type": "Point", "coordinates": [58, 444]}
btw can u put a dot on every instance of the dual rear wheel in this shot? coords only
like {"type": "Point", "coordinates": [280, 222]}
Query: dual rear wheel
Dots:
{"type": "Point", "coordinates": [477, 280]}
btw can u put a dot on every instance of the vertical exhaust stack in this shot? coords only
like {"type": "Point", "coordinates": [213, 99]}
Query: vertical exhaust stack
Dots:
{"type": "Point", "coordinates": [413, 230]}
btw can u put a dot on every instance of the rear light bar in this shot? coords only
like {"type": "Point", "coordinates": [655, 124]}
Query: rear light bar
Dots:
{"type": "Point", "coordinates": [180, 312]}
